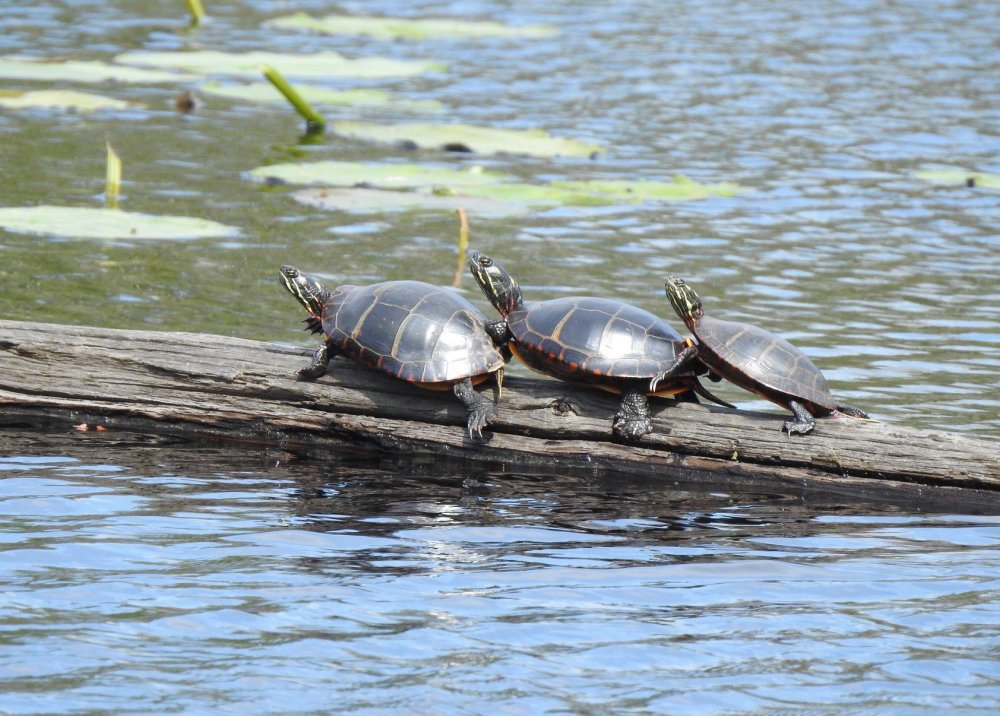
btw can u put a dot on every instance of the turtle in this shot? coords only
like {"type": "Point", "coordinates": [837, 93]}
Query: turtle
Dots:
{"type": "Point", "coordinates": [601, 342]}
{"type": "Point", "coordinates": [759, 361]}
{"type": "Point", "coordinates": [427, 335]}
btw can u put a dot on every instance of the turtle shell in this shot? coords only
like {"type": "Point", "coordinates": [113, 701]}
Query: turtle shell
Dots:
{"type": "Point", "coordinates": [594, 340]}
{"type": "Point", "coordinates": [411, 330]}
{"type": "Point", "coordinates": [763, 363]}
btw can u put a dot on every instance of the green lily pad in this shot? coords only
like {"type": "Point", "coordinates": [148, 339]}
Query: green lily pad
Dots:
{"type": "Point", "coordinates": [464, 137]}
{"type": "Point", "coordinates": [381, 176]}
{"type": "Point", "coordinates": [680, 188]}
{"type": "Point", "coordinates": [60, 99]}
{"type": "Point", "coordinates": [91, 223]}
{"type": "Point", "coordinates": [604, 193]}
{"type": "Point", "coordinates": [18, 68]}
{"type": "Point", "coordinates": [247, 64]}
{"type": "Point", "coordinates": [364, 199]}
{"type": "Point", "coordinates": [392, 28]}
{"type": "Point", "coordinates": [960, 177]}
{"type": "Point", "coordinates": [265, 92]}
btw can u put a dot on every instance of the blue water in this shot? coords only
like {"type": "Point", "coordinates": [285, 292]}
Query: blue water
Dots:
{"type": "Point", "coordinates": [189, 580]}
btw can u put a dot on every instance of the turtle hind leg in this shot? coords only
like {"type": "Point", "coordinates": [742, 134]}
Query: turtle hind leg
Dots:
{"type": "Point", "coordinates": [632, 420]}
{"type": "Point", "coordinates": [852, 411]}
{"type": "Point", "coordinates": [320, 360]}
{"type": "Point", "coordinates": [481, 410]}
{"type": "Point", "coordinates": [804, 421]}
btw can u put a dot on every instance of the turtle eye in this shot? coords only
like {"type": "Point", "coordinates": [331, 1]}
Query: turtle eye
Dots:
{"type": "Point", "coordinates": [485, 261]}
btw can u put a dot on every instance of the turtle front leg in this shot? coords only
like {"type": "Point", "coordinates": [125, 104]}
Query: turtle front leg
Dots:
{"type": "Point", "coordinates": [804, 421]}
{"type": "Point", "coordinates": [683, 358]}
{"type": "Point", "coordinates": [481, 410]}
{"type": "Point", "coordinates": [320, 360]}
{"type": "Point", "coordinates": [632, 420]}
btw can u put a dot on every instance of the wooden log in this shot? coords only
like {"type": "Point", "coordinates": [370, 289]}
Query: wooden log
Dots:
{"type": "Point", "coordinates": [234, 389]}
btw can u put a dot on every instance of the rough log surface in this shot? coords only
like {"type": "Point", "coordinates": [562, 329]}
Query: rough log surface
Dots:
{"type": "Point", "coordinates": [224, 388]}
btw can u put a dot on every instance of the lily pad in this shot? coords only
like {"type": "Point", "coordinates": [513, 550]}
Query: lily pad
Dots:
{"type": "Point", "coordinates": [90, 223]}
{"type": "Point", "coordinates": [60, 99]}
{"type": "Point", "coordinates": [382, 176]}
{"type": "Point", "coordinates": [467, 138]}
{"type": "Point", "coordinates": [393, 28]}
{"type": "Point", "coordinates": [604, 193]}
{"type": "Point", "coordinates": [265, 92]}
{"type": "Point", "coordinates": [960, 177]}
{"type": "Point", "coordinates": [247, 64]}
{"type": "Point", "coordinates": [680, 188]}
{"type": "Point", "coordinates": [20, 68]}
{"type": "Point", "coordinates": [363, 199]}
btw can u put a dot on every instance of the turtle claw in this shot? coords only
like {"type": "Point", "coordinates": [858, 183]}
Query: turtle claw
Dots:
{"type": "Point", "coordinates": [803, 423]}
{"type": "Point", "coordinates": [481, 410]}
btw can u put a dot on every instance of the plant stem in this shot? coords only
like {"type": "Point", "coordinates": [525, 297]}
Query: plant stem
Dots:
{"type": "Point", "coordinates": [113, 183]}
{"type": "Point", "coordinates": [196, 10]}
{"type": "Point", "coordinates": [463, 246]}
{"type": "Point", "coordinates": [314, 119]}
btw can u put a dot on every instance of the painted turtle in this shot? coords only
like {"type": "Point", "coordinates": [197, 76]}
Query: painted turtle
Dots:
{"type": "Point", "coordinates": [758, 361]}
{"type": "Point", "coordinates": [424, 334]}
{"type": "Point", "coordinates": [601, 342]}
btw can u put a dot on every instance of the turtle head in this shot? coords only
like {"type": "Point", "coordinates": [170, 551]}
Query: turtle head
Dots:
{"type": "Point", "coordinates": [498, 285]}
{"type": "Point", "coordinates": [684, 300]}
{"type": "Point", "coordinates": [307, 290]}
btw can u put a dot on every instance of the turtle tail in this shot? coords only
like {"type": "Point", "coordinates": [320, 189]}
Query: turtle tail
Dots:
{"type": "Point", "coordinates": [852, 411]}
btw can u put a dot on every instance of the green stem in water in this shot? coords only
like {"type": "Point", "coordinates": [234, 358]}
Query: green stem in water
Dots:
{"type": "Point", "coordinates": [196, 10]}
{"type": "Point", "coordinates": [113, 184]}
{"type": "Point", "coordinates": [463, 246]}
{"type": "Point", "coordinates": [313, 118]}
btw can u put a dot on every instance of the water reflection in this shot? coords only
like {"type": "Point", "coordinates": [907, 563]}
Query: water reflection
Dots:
{"type": "Point", "coordinates": [194, 578]}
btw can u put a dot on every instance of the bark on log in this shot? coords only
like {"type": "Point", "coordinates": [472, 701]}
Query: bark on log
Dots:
{"type": "Point", "coordinates": [225, 388]}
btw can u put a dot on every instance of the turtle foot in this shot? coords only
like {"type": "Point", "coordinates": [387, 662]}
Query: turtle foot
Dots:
{"type": "Point", "coordinates": [480, 410]}
{"type": "Point", "coordinates": [321, 358]}
{"type": "Point", "coordinates": [803, 423]}
{"type": "Point", "coordinates": [793, 427]}
{"type": "Point", "coordinates": [632, 420]}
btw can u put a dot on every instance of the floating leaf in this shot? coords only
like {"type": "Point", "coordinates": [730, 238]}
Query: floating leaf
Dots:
{"type": "Point", "coordinates": [392, 28]}
{"type": "Point", "coordinates": [603, 193]}
{"type": "Point", "coordinates": [89, 223]}
{"type": "Point", "coordinates": [464, 137]}
{"type": "Point", "coordinates": [19, 68]}
{"type": "Point", "coordinates": [363, 199]}
{"type": "Point", "coordinates": [681, 188]}
{"type": "Point", "coordinates": [247, 64]}
{"type": "Point", "coordinates": [60, 99]}
{"type": "Point", "coordinates": [382, 176]}
{"type": "Point", "coordinates": [314, 94]}
{"type": "Point", "coordinates": [960, 177]}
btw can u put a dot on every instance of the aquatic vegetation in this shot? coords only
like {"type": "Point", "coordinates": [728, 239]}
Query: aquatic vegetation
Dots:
{"type": "Point", "coordinates": [395, 28]}
{"type": "Point", "coordinates": [960, 177]}
{"type": "Point", "coordinates": [61, 99]}
{"type": "Point", "coordinates": [468, 138]}
{"type": "Point", "coordinates": [81, 71]}
{"type": "Point", "coordinates": [264, 92]}
{"type": "Point", "coordinates": [93, 223]}
{"type": "Point", "coordinates": [247, 64]}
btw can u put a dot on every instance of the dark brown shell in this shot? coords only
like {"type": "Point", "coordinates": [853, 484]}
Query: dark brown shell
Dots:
{"type": "Point", "coordinates": [762, 362]}
{"type": "Point", "coordinates": [593, 339]}
{"type": "Point", "coordinates": [411, 330]}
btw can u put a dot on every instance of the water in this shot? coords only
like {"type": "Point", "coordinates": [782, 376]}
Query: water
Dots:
{"type": "Point", "coordinates": [186, 580]}
{"type": "Point", "coordinates": [136, 575]}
